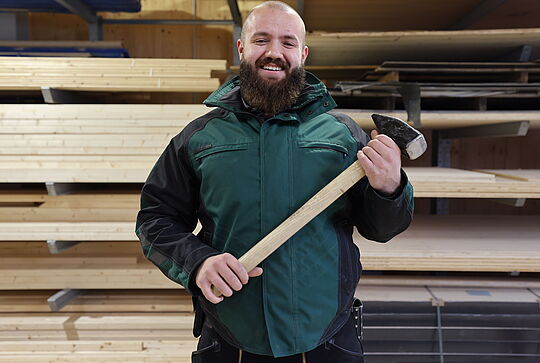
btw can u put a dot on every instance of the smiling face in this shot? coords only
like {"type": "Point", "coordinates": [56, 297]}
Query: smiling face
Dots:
{"type": "Point", "coordinates": [273, 42]}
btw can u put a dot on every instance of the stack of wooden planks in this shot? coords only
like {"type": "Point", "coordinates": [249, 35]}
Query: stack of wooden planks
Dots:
{"type": "Point", "coordinates": [109, 74]}
{"type": "Point", "coordinates": [111, 257]}
{"type": "Point", "coordinates": [374, 48]}
{"type": "Point", "coordinates": [156, 325]}
{"type": "Point", "coordinates": [98, 326]}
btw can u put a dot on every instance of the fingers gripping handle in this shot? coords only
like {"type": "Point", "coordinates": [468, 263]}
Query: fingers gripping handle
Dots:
{"type": "Point", "coordinates": [312, 208]}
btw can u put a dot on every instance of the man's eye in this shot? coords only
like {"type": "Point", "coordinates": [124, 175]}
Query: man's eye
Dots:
{"type": "Point", "coordinates": [260, 41]}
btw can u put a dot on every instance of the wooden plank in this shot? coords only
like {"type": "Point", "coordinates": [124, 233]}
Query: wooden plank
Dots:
{"type": "Point", "coordinates": [71, 346]}
{"type": "Point", "coordinates": [66, 231]}
{"type": "Point", "coordinates": [108, 301]}
{"type": "Point", "coordinates": [103, 322]}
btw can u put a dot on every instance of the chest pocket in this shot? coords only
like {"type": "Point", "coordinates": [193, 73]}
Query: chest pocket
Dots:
{"type": "Point", "coordinates": [314, 146]}
{"type": "Point", "coordinates": [209, 150]}
{"type": "Point", "coordinates": [225, 163]}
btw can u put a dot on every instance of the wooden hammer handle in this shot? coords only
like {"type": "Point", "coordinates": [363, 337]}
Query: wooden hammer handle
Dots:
{"type": "Point", "coordinates": [319, 202]}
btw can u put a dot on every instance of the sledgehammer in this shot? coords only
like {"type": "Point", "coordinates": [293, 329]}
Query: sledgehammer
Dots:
{"type": "Point", "coordinates": [412, 144]}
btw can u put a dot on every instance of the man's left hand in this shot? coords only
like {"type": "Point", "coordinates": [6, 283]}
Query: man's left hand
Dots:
{"type": "Point", "coordinates": [381, 160]}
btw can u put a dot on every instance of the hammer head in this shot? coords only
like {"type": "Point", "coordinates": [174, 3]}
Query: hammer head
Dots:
{"type": "Point", "coordinates": [411, 142]}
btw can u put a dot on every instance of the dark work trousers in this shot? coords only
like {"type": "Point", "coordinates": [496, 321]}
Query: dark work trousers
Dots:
{"type": "Point", "coordinates": [344, 347]}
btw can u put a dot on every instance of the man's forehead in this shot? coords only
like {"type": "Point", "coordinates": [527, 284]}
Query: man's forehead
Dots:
{"type": "Point", "coordinates": [261, 20]}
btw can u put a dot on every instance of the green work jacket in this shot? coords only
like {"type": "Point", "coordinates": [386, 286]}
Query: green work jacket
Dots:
{"type": "Point", "coordinates": [241, 175]}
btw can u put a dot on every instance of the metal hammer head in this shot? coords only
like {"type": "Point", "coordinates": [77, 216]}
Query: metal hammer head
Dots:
{"type": "Point", "coordinates": [411, 142]}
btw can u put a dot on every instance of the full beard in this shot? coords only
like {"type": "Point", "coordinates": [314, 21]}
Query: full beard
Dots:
{"type": "Point", "coordinates": [270, 98]}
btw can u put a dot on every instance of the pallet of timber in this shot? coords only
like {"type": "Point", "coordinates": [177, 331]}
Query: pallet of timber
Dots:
{"type": "Point", "coordinates": [372, 48]}
{"type": "Point", "coordinates": [67, 231]}
{"type": "Point", "coordinates": [459, 243]}
{"type": "Point", "coordinates": [109, 74]}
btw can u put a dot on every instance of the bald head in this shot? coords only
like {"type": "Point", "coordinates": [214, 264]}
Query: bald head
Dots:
{"type": "Point", "coordinates": [274, 5]}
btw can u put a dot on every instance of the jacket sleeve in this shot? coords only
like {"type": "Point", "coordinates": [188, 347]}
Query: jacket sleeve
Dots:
{"type": "Point", "coordinates": [168, 216]}
{"type": "Point", "coordinates": [377, 217]}
{"type": "Point", "coordinates": [380, 218]}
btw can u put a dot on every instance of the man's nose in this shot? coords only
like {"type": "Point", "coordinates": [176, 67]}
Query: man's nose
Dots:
{"type": "Point", "coordinates": [273, 50]}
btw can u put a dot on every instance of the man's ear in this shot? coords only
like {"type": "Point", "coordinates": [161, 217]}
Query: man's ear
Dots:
{"type": "Point", "coordinates": [240, 48]}
{"type": "Point", "coordinates": [305, 53]}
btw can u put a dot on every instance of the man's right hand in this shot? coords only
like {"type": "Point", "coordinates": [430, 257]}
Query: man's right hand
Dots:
{"type": "Point", "coordinates": [224, 272]}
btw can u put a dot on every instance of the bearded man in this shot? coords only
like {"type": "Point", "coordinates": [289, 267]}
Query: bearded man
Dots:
{"type": "Point", "coordinates": [269, 145]}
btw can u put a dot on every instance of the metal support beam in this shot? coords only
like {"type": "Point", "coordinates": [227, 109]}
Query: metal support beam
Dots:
{"type": "Point", "coordinates": [520, 54]}
{"type": "Point", "coordinates": [14, 26]}
{"type": "Point", "coordinates": [55, 189]}
{"type": "Point", "coordinates": [95, 30]}
{"type": "Point", "coordinates": [410, 92]}
{"type": "Point", "coordinates": [516, 128]}
{"type": "Point", "coordinates": [300, 7]}
{"type": "Point", "coordinates": [237, 28]}
{"type": "Point", "coordinates": [53, 95]}
{"type": "Point", "coordinates": [235, 12]}
{"type": "Point", "coordinates": [62, 298]}
{"type": "Point", "coordinates": [56, 247]}
{"type": "Point", "coordinates": [513, 202]}
{"type": "Point", "coordinates": [481, 10]}
{"type": "Point", "coordinates": [438, 303]}
{"type": "Point", "coordinates": [440, 156]}
{"type": "Point", "coordinates": [79, 8]}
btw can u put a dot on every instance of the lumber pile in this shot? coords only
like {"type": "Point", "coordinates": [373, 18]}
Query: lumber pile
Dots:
{"type": "Point", "coordinates": [109, 74]}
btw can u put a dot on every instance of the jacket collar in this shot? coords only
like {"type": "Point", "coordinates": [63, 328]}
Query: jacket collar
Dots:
{"type": "Point", "coordinates": [308, 105]}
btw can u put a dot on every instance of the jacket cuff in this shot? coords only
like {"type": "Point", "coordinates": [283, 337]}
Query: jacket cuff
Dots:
{"type": "Point", "coordinates": [196, 258]}
{"type": "Point", "coordinates": [399, 191]}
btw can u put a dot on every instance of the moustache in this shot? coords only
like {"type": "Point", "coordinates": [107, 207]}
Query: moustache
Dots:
{"type": "Point", "coordinates": [278, 62]}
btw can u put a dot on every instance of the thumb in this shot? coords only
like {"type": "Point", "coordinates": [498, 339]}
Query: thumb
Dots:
{"type": "Point", "coordinates": [257, 271]}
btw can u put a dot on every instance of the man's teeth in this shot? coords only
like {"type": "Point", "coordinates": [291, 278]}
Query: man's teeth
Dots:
{"type": "Point", "coordinates": [271, 68]}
